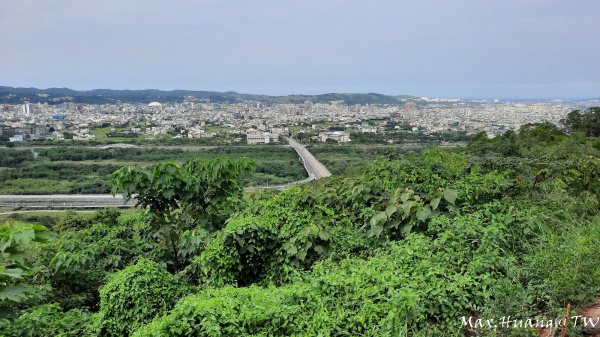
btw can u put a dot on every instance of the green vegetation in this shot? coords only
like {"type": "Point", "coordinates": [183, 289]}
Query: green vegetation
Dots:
{"type": "Point", "coordinates": [108, 135]}
{"type": "Point", "coordinates": [389, 135]}
{"type": "Point", "coordinates": [135, 295]}
{"type": "Point", "coordinates": [101, 133]}
{"type": "Point", "coordinates": [15, 239]}
{"type": "Point", "coordinates": [184, 204]}
{"type": "Point", "coordinates": [344, 158]}
{"type": "Point", "coordinates": [408, 137]}
{"type": "Point", "coordinates": [50, 320]}
{"type": "Point", "coordinates": [406, 245]}
{"type": "Point", "coordinates": [587, 122]}
{"type": "Point", "coordinates": [46, 218]}
{"type": "Point", "coordinates": [86, 170]}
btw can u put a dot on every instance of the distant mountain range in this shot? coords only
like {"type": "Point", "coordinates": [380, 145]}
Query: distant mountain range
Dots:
{"type": "Point", "coordinates": [10, 95]}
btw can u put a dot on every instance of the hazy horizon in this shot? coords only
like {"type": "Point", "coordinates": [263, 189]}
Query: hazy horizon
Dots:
{"type": "Point", "coordinates": [314, 94]}
{"type": "Point", "coordinates": [515, 49]}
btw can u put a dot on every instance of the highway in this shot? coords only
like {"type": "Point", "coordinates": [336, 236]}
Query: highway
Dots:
{"type": "Point", "coordinates": [58, 201]}
{"type": "Point", "coordinates": [314, 169]}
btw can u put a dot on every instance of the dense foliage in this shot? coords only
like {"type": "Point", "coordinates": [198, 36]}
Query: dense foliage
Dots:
{"type": "Point", "coordinates": [50, 320]}
{"type": "Point", "coordinates": [587, 121]}
{"type": "Point", "coordinates": [408, 245]}
{"type": "Point", "coordinates": [135, 295]}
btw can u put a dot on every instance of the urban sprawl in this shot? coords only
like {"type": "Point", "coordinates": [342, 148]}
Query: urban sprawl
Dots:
{"type": "Point", "coordinates": [256, 122]}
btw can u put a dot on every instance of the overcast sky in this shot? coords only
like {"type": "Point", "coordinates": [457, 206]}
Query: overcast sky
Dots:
{"type": "Point", "coordinates": [435, 48]}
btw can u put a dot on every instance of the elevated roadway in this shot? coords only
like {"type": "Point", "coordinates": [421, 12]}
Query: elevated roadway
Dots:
{"type": "Point", "coordinates": [313, 167]}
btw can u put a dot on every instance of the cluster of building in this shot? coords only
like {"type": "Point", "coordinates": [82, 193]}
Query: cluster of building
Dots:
{"type": "Point", "coordinates": [264, 122]}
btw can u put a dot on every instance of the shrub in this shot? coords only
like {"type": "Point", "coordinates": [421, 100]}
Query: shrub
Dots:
{"type": "Point", "coordinates": [284, 237]}
{"type": "Point", "coordinates": [84, 258]}
{"type": "Point", "coordinates": [420, 285]}
{"type": "Point", "coordinates": [240, 253]}
{"type": "Point", "coordinates": [135, 295]}
{"type": "Point", "coordinates": [72, 221]}
{"type": "Point", "coordinates": [232, 311]}
{"type": "Point", "coordinates": [49, 320]}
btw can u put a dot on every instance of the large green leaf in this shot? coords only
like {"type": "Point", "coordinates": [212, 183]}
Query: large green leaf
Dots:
{"type": "Point", "coordinates": [406, 229]}
{"type": "Point", "coordinates": [404, 196]}
{"type": "Point", "coordinates": [390, 210]}
{"type": "Point", "coordinates": [324, 235]}
{"type": "Point", "coordinates": [24, 235]}
{"type": "Point", "coordinates": [290, 248]}
{"type": "Point", "coordinates": [435, 202]}
{"type": "Point", "coordinates": [376, 230]}
{"type": "Point", "coordinates": [450, 195]}
{"type": "Point", "coordinates": [13, 293]}
{"type": "Point", "coordinates": [406, 207]}
{"type": "Point", "coordinates": [424, 213]}
{"type": "Point", "coordinates": [13, 272]}
{"type": "Point", "coordinates": [378, 218]}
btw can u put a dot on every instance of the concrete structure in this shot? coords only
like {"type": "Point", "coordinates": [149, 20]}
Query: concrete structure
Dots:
{"type": "Point", "coordinates": [65, 201]}
{"type": "Point", "coordinates": [261, 138]}
{"type": "Point", "coordinates": [16, 138]}
{"type": "Point", "coordinates": [338, 136]}
{"type": "Point", "coordinates": [315, 168]}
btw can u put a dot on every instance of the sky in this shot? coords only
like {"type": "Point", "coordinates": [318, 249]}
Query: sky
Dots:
{"type": "Point", "coordinates": [432, 48]}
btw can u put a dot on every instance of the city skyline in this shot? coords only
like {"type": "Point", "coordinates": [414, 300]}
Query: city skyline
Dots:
{"type": "Point", "coordinates": [528, 49]}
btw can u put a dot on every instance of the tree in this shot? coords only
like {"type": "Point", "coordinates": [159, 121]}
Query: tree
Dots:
{"type": "Point", "coordinates": [587, 122]}
{"type": "Point", "coordinates": [544, 132]}
{"type": "Point", "coordinates": [185, 203]}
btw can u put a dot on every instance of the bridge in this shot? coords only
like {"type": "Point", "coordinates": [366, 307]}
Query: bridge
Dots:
{"type": "Point", "coordinates": [313, 167]}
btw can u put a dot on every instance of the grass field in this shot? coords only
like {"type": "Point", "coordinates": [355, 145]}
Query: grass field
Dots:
{"type": "Point", "coordinates": [86, 170]}
{"type": "Point", "coordinates": [341, 158]}
{"type": "Point", "coordinates": [214, 128]}
{"type": "Point", "coordinates": [102, 135]}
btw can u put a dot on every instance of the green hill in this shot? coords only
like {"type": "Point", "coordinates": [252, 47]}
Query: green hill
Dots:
{"type": "Point", "coordinates": [9, 95]}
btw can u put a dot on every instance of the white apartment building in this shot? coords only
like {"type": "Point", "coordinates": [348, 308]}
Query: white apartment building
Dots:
{"type": "Point", "coordinates": [261, 138]}
{"type": "Point", "coordinates": [338, 136]}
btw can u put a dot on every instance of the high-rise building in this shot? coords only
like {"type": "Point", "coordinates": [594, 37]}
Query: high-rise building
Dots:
{"type": "Point", "coordinates": [25, 109]}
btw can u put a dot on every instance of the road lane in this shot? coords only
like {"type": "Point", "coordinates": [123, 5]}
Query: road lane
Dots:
{"type": "Point", "coordinates": [64, 201]}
